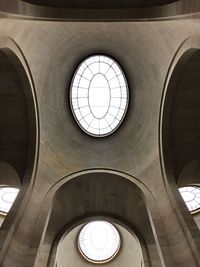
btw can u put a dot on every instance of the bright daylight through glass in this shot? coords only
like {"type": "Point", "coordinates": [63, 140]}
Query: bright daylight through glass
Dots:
{"type": "Point", "coordinates": [99, 241]}
{"type": "Point", "coordinates": [191, 196]}
{"type": "Point", "coordinates": [99, 95]}
{"type": "Point", "coordinates": [7, 197]}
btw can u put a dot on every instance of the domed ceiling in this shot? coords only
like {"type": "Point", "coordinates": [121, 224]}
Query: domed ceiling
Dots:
{"type": "Point", "coordinates": [96, 4]}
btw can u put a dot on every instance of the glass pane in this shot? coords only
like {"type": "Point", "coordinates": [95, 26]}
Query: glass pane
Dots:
{"type": "Point", "coordinates": [7, 197]}
{"type": "Point", "coordinates": [99, 85]}
{"type": "Point", "coordinates": [99, 241]}
{"type": "Point", "coordinates": [191, 196]}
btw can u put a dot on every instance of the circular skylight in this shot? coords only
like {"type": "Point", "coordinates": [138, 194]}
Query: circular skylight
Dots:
{"type": "Point", "coordinates": [191, 196]}
{"type": "Point", "coordinates": [99, 95]}
{"type": "Point", "coordinates": [99, 241]}
{"type": "Point", "coordinates": [7, 197]}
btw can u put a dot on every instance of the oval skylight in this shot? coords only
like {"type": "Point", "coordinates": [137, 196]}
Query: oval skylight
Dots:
{"type": "Point", "coordinates": [7, 197]}
{"type": "Point", "coordinates": [191, 196]}
{"type": "Point", "coordinates": [99, 95]}
{"type": "Point", "coordinates": [99, 241]}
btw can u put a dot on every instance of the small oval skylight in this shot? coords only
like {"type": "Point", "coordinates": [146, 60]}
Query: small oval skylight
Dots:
{"type": "Point", "coordinates": [99, 95]}
{"type": "Point", "coordinates": [7, 197]}
{"type": "Point", "coordinates": [191, 196]}
{"type": "Point", "coordinates": [99, 241]}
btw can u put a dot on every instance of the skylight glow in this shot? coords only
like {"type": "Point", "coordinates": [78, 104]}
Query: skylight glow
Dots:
{"type": "Point", "coordinates": [99, 95]}
{"type": "Point", "coordinates": [99, 241]}
{"type": "Point", "coordinates": [191, 196]}
{"type": "Point", "coordinates": [7, 197]}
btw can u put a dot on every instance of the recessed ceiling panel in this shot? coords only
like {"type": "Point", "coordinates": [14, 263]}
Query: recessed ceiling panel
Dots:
{"type": "Point", "coordinates": [103, 4]}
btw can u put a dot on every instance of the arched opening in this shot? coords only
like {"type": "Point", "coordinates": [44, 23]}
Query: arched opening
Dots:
{"type": "Point", "coordinates": [130, 253]}
{"type": "Point", "coordinates": [98, 195]}
{"type": "Point", "coordinates": [16, 109]}
{"type": "Point", "coordinates": [18, 134]}
{"type": "Point", "coordinates": [181, 129]}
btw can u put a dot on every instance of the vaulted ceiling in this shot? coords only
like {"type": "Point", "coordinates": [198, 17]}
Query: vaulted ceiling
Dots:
{"type": "Point", "coordinates": [98, 10]}
{"type": "Point", "coordinates": [111, 4]}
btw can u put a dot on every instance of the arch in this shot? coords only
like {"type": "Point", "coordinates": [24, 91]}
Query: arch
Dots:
{"type": "Point", "coordinates": [67, 230]}
{"type": "Point", "coordinates": [18, 110]}
{"type": "Point", "coordinates": [178, 115]}
{"type": "Point", "coordinates": [180, 118]}
{"type": "Point", "coordinates": [130, 247]}
{"type": "Point", "coordinates": [19, 132]}
{"type": "Point", "coordinates": [130, 10]}
{"type": "Point", "coordinates": [58, 200]}
{"type": "Point", "coordinates": [185, 54]}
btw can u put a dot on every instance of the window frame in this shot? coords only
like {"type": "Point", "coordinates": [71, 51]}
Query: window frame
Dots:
{"type": "Point", "coordinates": [75, 70]}
{"type": "Point", "coordinates": [115, 254]}
{"type": "Point", "coordinates": [197, 210]}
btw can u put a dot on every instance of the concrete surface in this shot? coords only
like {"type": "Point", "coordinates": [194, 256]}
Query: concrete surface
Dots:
{"type": "Point", "coordinates": [131, 176]}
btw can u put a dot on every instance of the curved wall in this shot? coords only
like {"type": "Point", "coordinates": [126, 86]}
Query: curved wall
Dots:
{"type": "Point", "coordinates": [183, 98]}
{"type": "Point", "coordinates": [103, 10]}
{"type": "Point", "coordinates": [98, 195]}
{"type": "Point", "coordinates": [14, 133]}
{"type": "Point", "coordinates": [129, 255]}
{"type": "Point", "coordinates": [145, 50]}
{"type": "Point", "coordinates": [180, 129]}
{"type": "Point", "coordinates": [18, 135]}
{"type": "Point", "coordinates": [95, 4]}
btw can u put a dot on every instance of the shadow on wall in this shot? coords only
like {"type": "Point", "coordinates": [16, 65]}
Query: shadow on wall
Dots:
{"type": "Point", "coordinates": [18, 128]}
{"type": "Point", "coordinates": [8, 178]}
{"type": "Point", "coordinates": [181, 128]}
{"type": "Point", "coordinates": [8, 175]}
{"type": "Point", "coordinates": [182, 104]}
{"type": "Point", "coordinates": [94, 9]}
{"type": "Point", "coordinates": [102, 195]}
